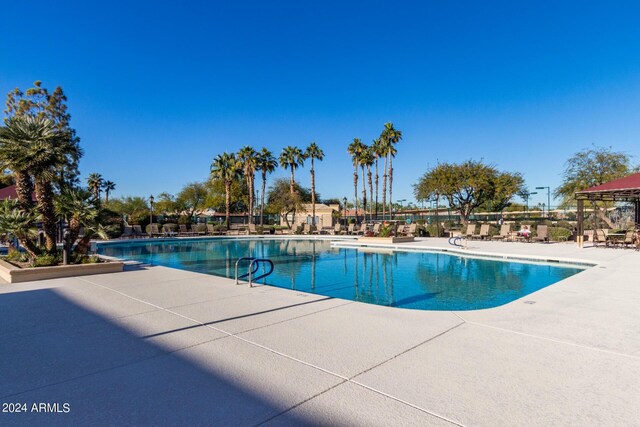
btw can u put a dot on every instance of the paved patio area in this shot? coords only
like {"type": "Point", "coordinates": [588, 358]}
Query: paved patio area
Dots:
{"type": "Point", "coordinates": [157, 346]}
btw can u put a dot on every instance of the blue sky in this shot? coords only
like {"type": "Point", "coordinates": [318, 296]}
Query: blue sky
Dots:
{"type": "Point", "coordinates": [156, 89]}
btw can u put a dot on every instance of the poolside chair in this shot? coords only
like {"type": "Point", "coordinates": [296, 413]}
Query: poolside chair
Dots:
{"type": "Point", "coordinates": [137, 231]}
{"type": "Point", "coordinates": [471, 230]}
{"type": "Point", "coordinates": [153, 230]}
{"type": "Point", "coordinates": [362, 230]}
{"type": "Point", "coordinates": [505, 233]}
{"type": "Point", "coordinates": [182, 230]}
{"type": "Point", "coordinates": [211, 230]}
{"type": "Point", "coordinates": [253, 229]}
{"type": "Point", "coordinates": [128, 233]}
{"type": "Point", "coordinates": [484, 232]}
{"type": "Point", "coordinates": [542, 234]}
{"type": "Point", "coordinates": [527, 237]}
{"type": "Point", "coordinates": [629, 238]}
{"type": "Point", "coordinates": [376, 228]}
{"type": "Point", "coordinates": [167, 231]}
{"type": "Point", "coordinates": [600, 238]}
{"type": "Point", "coordinates": [351, 228]}
{"type": "Point", "coordinates": [337, 229]}
{"type": "Point", "coordinates": [410, 230]}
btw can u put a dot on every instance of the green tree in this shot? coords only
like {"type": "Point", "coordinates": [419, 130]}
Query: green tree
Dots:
{"type": "Point", "coordinates": [391, 136]}
{"type": "Point", "coordinates": [313, 152]}
{"type": "Point", "coordinates": [267, 163]}
{"type": "Point", "coordinates": [95, 183]}
{"type": "Point", "coordinates": [165, 204]}
{"type": "Point", "coordinates": [248, 158]}
{"type": "Point", "coordinates": [80, 210]}
{"type": "Point", "coordinates": [292, 158]}
{"type": "Point", "coordinates": [15, 221]}
{"type": "Point", "coordinates": [38, 103]}
{"type": "Point", "coordinates": [378, 150]}
{"type": "Point", "coordinates": [108, 187]}
{"type": "Point", "coordinates": [135, 209]}
{"type": "Point", "coordinates": [468, 185]}
{"type": "Point", "coordinates": [591, 167]}
{"type": "Point", "coordinates": [355, 149]}
{"type": "Point", "coordinates": [225, 167]}
{"type": "Point", "coordinates": [192, 198]}
{"type": "Point", "coordinates": [367, 160]}
{"type": "Point", "coordinates": [284, 202]}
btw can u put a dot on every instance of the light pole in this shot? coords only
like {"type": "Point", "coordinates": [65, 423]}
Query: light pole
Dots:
{"type": "Point", "coordinates": [548, 199]}
{"type": "Point", "coordinates": [151, 209]}
{"type": "Point", "coordinates": [400, 201]}
{"type": "Point", "coordinates": [526, 200]}
{"type": "Point", "coordinates": [344, 206]}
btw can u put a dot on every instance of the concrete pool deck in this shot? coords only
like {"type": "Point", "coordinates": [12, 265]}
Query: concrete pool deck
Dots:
{"type": "Point", "coordinates": [158, 346]}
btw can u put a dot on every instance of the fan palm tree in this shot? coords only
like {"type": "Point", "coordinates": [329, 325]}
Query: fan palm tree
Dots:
{"type": "Point", "coordinates": [95, 182]}
{"type": "Point", "coordinates": [366, 160]}
{"type": "Point", "coordinates": [392, 136]}
{"type": "Point", "coordinates": [248, 159]}
{"type": "Point", "coordinates": [313, 152]}
{"type": "Point", "coordinates": [13, 139]}
{"type": "Point", "coordinates": [291, 157]}
{"type": "Point", "coordinates": [355, 150]}
{"type": "Point", "coordinates": [80, 209]}
{"type": "Point", "coordinates": [267, 163]}
{"type": "Point", "coordinates": [225, 167]}
{"type": "Point", "coordinates": [16, 222]}
{"type": "Point", "coordinates": [378, 151]}
{"type": "Point", "coordinates": [361, 161]}
{"type": "Point", "coordinates": [108, 187]}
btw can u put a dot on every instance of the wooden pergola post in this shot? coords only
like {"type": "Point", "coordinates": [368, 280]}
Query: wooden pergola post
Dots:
{"type": "Point", "coordinates": [580, 218]}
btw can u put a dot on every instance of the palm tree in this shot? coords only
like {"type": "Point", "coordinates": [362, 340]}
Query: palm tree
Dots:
{"type": "Point", "coordinates": [19, 223]}
{"type": "Point", "coordinates": [80, 209]}
{"type": "Point", "coordinates": [313, 152]}
{"type": "Point", "coordinates": [392, 136]}
{"type": "Point", "coordinates": [108, 187]}
{"type": "Point", "coordinates": [355, 150]}
{"type": "Point", "coordinates": [362, 158]}
{"type": "Point", "coordinates": [248, 158]}
{"type": "Point", "coordinates": [378, 151]}
{"type": "Point", "coordinates": [291, 157]}
{"type": "Point", "coordinates": [13, 137]}
{"type": "Point", "coordinates": [367, 160]}
{"type": "Point", "coordinates": [266, 164]}
{"type": "Point", "coordinates": [95, 182]}
{"type": "Point", "coordinates": [226, 168]}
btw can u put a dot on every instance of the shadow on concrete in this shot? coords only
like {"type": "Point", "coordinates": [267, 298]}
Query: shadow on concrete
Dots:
{"type": "Point", "coordinates": [55, 351]}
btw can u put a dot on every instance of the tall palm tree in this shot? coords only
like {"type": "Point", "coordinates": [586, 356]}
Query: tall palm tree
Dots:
{"type": "Point", "coordinates": [291, 157]}
{"type": "Point", "coordinates": [313, 152]}
{"type": "Point", "coordinates": [355, 150]}
{"type": "Point", "coordinates": [226, 168]}
{"type": "Point", "coordinates": [362, 159]}
{"type": "Point", "coordinates": [79, 208]}
{"type": "Point", "coordinates": [13, 139]}
{"type": "Point", "coordinates": [108, 187]}
{"type": "Point", "coordinates": [267, 163]}
{"type": "Point", "coordinates": [95, 182]}
{"type": "Point", "coordinates": [19, 223]}
{"type": "Point", "coordinates": [392, 136]}
{"type": "Point", "coordinates": [367, 161]}
{"type": "Point", "coordinates": [248, 159]}
{"type": "Point", "coordinates": [378, 151]}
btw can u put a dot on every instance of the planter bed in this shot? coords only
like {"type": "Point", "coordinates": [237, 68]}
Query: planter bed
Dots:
{"type": "Point", "coordinates": [14, 274]}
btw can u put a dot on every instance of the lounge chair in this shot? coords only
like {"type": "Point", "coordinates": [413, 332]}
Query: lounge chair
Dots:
{"type": "Point", "coordinates": [153, 230]}
{"type": "Point", "coordinates": [182, 230]}
{"type": "Point", "coordinates": [337, 229]}
{"type": "Point", "coordinates": [542, 234]}
{"type": "Point", "coordinates": [410, 230]}
{"type": "Point", "coordinates": [376, 228]}
{"type": "Point", "coordinates": [525, 237]}
{"type": "Point", "coordinates": [471, 230]}
{"type": "Point", "coordinates": [484, 232]}
{"type": "Point", "coordinates": [629, 238]}
{"type": "Point", "coordinates": [600, 238]}
{"type": "Point", "coordinates": [505, 233]}
{"type": "Point", "coordinates": [253, 229]}
{"type": "Point", "coordinates": [362, 230]}
{"type": "Point", "coordinates": [167, 231]}
{"type": "Point", "coordinates": [137, 231]}
{"type": "Point", "coordinates": [211, 230]}
{"type": "Point", "coordinates": [351, 228]}
{"type": "Point", "coordinates": [128, 233]}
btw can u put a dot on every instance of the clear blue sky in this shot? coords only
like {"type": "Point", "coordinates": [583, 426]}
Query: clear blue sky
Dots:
{"type": "Point", "coordinates": [157, 89]}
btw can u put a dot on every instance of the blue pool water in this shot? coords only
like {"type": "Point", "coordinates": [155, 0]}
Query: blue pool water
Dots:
{"type": "Point", "coordinates": [417, 280]}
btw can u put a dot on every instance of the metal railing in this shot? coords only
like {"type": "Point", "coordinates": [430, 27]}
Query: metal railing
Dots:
{"type": "Point", "coordinates": [254, 266]}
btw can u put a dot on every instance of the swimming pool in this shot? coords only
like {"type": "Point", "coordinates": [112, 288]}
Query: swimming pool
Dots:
{"type": "Point", "coordinates": [415, 280]}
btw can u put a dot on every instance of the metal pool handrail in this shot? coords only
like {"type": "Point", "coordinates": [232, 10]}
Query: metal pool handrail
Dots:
{"type": "Point", "coordinates": [254, 265]}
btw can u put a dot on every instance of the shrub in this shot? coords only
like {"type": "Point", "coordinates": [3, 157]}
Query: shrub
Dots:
{"type": "Point", "coordinates": [90, 259]}
{"type": "Point", "coordinates": [559, 233]}
{"type": "Point", "coordinates": [15, 255]}
{"type": "Point", "coordinates": [46, 260]}
{"type": "Point", "coordinates": [385, 230]}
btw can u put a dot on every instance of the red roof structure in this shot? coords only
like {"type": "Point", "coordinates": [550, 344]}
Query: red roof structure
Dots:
{"type": "Point", "coordinates": [623, 189]}
{"type": "Point", "coordinates": [8, 192]}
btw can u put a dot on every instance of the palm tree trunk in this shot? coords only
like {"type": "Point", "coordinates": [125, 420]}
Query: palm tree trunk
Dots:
{"type": "Point", "coordinates": [251, 199]}
{"type": "Point", "coordinates": [24, 189]}
{"type": "Point", "coordinates": [355, 188]}
{"type": "Point", "coordinates": [106, 196]}
{"type": "Point", "coordinates": [227, 201]}
{"type": "Point", "coordinates": [291, 181]}
{"type": "Point", "coordinates": [376, 188]}
{"type": "Point", "coordinates": [264, 185]}
{"type": "Point", "coordinates": [384, 187]}
{"type": "Point", "coordinates": [364, 194]}
{"type": "Point", "coordinates": [44, 196]}
{"type": "Point", "coordinates": [313, 193]}
{"type": "Point", "coordinates": [370, 189]}
{"type": "Point", "coordinates": [391, 187]}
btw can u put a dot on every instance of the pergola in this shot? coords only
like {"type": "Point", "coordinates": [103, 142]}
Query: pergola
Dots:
{"type": "Point", "coordinates": [625, 189]}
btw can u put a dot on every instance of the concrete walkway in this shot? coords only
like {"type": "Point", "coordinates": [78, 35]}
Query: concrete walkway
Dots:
{"type": "Point", "coordinates": [157, 346]}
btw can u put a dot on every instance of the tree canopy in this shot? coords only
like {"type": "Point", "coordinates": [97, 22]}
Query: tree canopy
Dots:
{"type": "Point", "coordinates": [469, 185]}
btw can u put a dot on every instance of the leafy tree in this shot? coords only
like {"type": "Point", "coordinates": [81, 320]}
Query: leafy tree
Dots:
{"type": "Point", "coordinates": [248, 158]}
{"type": "Point", "coordinates": [284, 202]}
{"type": "Point", "coordinates": [591, 167]}
{"type": "Point", "coordinates": [15, 221]}
{"type": "Point", "coordinates": [95, 183]}
{"type": "Point", "coordinates": [267, 163]}
{"type": "Point", "coordinates": [192, 198]}
{"type": "Point", "coordinates": [390, 137]}
{"type": "Point", "coordinates": [38, 103]}
{"type": "Point", "coordinates": [291, 157]}
{"type": "Point", "coordinates": [216, 195]}
{"type": "Point", "coordinates": [166, 204]}
{"type": "Point", "coordinates": [108, 187]}
{"type": "Point", "coordinates": [313, 152]}
{"type": "Point", "coordinates": [134, 208]}
{"type": "Point", "coordinates": [468, 185]}
{"type": "Point", "coordinates": [226, 168]}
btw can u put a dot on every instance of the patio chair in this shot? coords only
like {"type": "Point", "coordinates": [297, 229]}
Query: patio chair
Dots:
{"type": "Point", "coordinates": [471, 230]}
{"type": "Point", "coordinates": [505, 233]}
{"type": "Point", "coordinates": [362, 230]}
{"type": "Point", "coordinates": [351, 228]}
{"type": "Point", "coordinates": [153, 230]}
{"type": "Point", "coordinates": [182, 230]}
{"type": "Point", "coordinates": [137, 231]}
{"type": "Point", "coordinates": [629, 238]}
{"type": "Point", "coordinates": [410, 230]}
{"type": "Point", "coordinates": [337, 229]}
{"type": "Point", "coordinates": [524, 237]}
{"type": "Point", "coordinates": [167, 231]}
{"type": "Point", "coordinates": [376, 228]}
{"type": "Point", "coordinates": [542, 234]}
{"type": "Point", "coordinates": [211, 230]}
{"type": "Point", "coordinates": [128, 233]}
{"type": "Point", "coordinates": [253, 229]}
{"type": "Point", "coordinates": [600, 238]}
{"type": "Point", "coordinates": [484, 232]}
